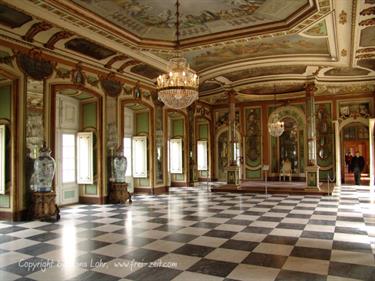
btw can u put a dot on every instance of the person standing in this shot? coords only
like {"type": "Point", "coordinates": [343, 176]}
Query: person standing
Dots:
{"type": "Point", "coordinates": [356, 165]}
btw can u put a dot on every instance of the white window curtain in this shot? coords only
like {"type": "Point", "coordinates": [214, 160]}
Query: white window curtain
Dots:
{"type": "Point", "coordinates": [85, 164]}
{"type": "Point", "coordinates": [2, 159]}
{"type": "Point", "coordinates": [202, 155]}
{"type": "Point", "coordinates": [140, 157]}
{"type": "Point", "coordinates": [175, 155]}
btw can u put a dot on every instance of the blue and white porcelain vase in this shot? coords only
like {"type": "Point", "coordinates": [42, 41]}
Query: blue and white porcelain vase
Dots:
{"type": "Point", "coordinates": [119, 165]}
{"type": "Point", "coordinates": [44, 170]}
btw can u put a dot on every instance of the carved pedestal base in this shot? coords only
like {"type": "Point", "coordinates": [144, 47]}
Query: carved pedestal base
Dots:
{"type": "Point", "coordinates": [43, 206]}
{"type": "Point", "coordinates": [233, 175]}
{"type": "Point", "coordinates": [118, 193]}
{"type": "Point", "coordinates": [312, 177]}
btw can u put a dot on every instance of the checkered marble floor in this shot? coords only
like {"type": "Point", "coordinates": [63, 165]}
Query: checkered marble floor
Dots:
{"type": "Point", "coordinates": [193, 234]}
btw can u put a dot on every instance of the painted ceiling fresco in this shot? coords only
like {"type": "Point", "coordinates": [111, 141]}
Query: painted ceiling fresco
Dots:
{"type": "Point", "coordinates": [206, 86]}
{"type": "Point", "coordinates": [319, 29]}
{"type": "Point", "coordinates": [146, 71]}
{"type": "Point", "coordinates": [271, 90]}
{"type": "Point", "coordinates": [265, 71]}
{"type": "Point", "coordinates": [155, 19]}
{"type": "Point", "coordinates": [287, 45]}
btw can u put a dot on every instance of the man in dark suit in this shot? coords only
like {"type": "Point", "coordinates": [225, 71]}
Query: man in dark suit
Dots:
{"type": "Point", "coordinates": [357, 164]}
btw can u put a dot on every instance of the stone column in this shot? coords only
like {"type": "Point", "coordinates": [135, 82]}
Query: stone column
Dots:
{"type": "Point", "coordinates": [310, 124]}
{"type": "Point", "coordinates": [371, 149]}
{"type": "Point", "coordinates": [312, 169]}
{"type": "Point", "coordinates": [337, 152]}
{"type": "Point", "coordinates": [232, 169]}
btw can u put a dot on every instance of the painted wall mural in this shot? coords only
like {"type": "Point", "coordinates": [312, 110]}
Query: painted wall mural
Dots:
{"type": "Point", "coordinates": [354, 110]}
{"type": "Point", "coordinates": [253, 141]}
{"type": "Point", "coordinates": [324, 139]}
{"type": "Point", "coordinates": [292, 44]}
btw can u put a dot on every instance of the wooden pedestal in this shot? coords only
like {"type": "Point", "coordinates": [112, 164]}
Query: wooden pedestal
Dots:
{"type": "Point", "coordinates": [43, 206]}
{"type": "Point", "coordinates": [118, 193]}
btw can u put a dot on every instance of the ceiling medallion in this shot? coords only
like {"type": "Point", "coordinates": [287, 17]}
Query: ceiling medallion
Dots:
{"type": "Point", "coordinates": [179, 87]}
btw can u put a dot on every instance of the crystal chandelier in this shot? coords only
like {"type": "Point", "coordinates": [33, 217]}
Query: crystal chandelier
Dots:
{"type": "Point", "coordinates": [179, 87]}
{"type": "Point", "coordinates": [275, 126]}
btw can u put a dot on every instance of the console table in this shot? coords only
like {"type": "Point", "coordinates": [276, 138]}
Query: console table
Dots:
{"type": "Point", "coordinates": [118, 193]}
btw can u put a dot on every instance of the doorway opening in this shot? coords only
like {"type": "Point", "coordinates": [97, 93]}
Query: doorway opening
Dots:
{"type": "Point", "coordinates": [355, 138]}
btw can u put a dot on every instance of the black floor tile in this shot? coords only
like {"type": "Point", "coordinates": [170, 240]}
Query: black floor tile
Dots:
{"type": "Point", "coordinates": [220, 234]}
{"type": "Point", "coordinates": [291, 226]}
{"type": "Point", "coordinates": [267, 260]}
{"type": "Point", "coordinates": [194, 250]}
{"type": "Point", "coordinates": [354, 271]}
{"type": "Point", "coordinates": [143, 255]}
{"type": "Point", "coordinates": [313, 253]}
{"type": "Point", "coordinates": [213, 267]}
{"type": "Point", "coordinates": [317, 235]}
{"type": "Point", "coordinates": [180, 237]}
{"type": "Point", "coordinates": [239, 245]}
{"type": "Point", "coordinates": [350, 230]}
{"type": "Point", "coordinates": [285, 240]}
{"type": "Point", "coordinates": [352, 246]}
{"type": "Point", "coordinates": [44, 237]}
{"type": "Point", "coordinates": [288, 275]}
{"type": "Point", "coordinates": [255, 229]}
{"type": "Point", "coordinates": [134, 241]}
{"type": "Point", "coordinates": [38, 249]}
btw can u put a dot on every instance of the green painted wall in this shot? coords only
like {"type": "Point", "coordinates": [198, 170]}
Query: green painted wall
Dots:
{"type": "Point", "coordinates": [5, 102]}
{"type": "Point", "coordinates": [141, 122]}
{"type": "Point", "coordinates": [89, 115]}
{"type": "Point", "coordinates": [177, 127]}
{"type": "Point", "coordinates": [203, 131]}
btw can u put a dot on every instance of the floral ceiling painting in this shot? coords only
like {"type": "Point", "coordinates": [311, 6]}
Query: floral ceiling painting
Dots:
{"type": "Point", "coordinates": [155, 19]}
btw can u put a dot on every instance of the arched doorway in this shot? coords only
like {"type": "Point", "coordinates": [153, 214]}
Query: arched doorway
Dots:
{"type": "Point", "coordinates": [354, 137]}
{"type": "Point", "coordinates": [291, 144]}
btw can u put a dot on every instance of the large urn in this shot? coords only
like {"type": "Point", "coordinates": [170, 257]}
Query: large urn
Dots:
{"type": "Point", "coordinates": [44, 170]}
{"type": "Point", "coordinates": [119, 165]}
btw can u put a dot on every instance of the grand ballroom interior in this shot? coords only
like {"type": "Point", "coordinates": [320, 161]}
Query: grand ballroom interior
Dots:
{"type": "Point", "coordinates": [187, 140]}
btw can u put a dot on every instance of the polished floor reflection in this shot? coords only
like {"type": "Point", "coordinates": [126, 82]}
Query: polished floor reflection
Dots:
{"type": "Point", "coordinates": [192, 234]}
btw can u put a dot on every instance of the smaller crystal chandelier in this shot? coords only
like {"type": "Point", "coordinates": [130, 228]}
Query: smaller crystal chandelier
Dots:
{"type": "Point", "coordinates": [275, 126]}
{"type": "Point", "coordinates": [179, 87]}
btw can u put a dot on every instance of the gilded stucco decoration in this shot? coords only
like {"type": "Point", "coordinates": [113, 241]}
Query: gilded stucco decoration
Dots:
{"type": "Point", "coordinates": [343, 17]}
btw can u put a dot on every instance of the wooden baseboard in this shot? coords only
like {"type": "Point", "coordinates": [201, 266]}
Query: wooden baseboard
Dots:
{"type": "Point", "coordinates": [179, 184]}
{"type": "Point", "coordinates": [92, 200]}
{"type": "Point", "coordinates": [147, 190]}
{"type": "Point", "coordinates": [14, 216]}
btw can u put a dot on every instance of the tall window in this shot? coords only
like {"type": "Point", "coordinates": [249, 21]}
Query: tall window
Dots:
{"type": "Point", "coordinates": [202, 155]}
{"type": "Point", "coordinates": [85, 165]}
{"type": "Point", "coordinates": [68, 158]}
{"type": "Point", "coordinates": [140, 157]}
{"type": "Point", "coordinates": [175, 155]}
{"type": "Point", "coordinates": [2, 159]}
{"type": "Point", "coordinates": [128, 155]}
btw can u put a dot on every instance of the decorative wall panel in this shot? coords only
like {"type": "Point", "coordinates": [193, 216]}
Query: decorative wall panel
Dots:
{"type": "Point", "coordinates": [253, 151]}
